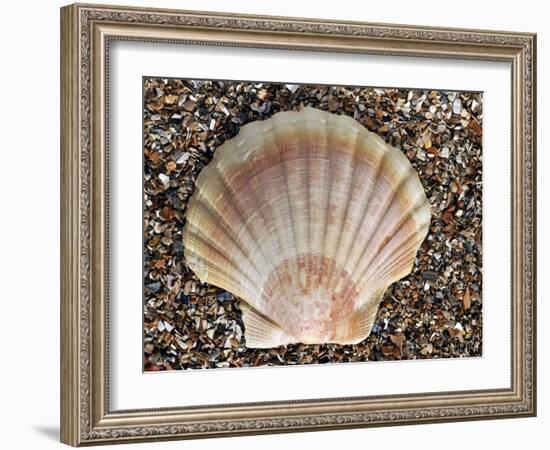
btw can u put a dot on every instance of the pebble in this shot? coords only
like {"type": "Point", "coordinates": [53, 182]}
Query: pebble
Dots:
{"type": "Point", "coordinates": [457, 106]}
{"type": "Point", "coordinates": [189, 287]}
{"type": "Point", "coordinates": [165, 179]}
{"type": "Point", "coordinates": [224, 296]}
{"type": "Point", "coordinates": [154, 287]}
{"type": "Point", "coordinates": [183, 158]}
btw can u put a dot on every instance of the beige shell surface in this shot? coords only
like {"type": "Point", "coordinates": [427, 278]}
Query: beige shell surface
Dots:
{"type": "Point", "coordinates": [308, 218]}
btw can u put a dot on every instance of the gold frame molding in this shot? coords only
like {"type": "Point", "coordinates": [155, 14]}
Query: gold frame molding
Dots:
{"type": "Point", "coordinates": [86, 31]}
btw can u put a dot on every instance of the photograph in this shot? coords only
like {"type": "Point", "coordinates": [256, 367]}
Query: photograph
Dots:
{"type": "Point", "coordinates": [291, 224]}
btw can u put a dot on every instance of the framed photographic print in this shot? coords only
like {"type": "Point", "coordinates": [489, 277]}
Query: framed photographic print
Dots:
{"type": "Point", "coordinates": [263, 201]}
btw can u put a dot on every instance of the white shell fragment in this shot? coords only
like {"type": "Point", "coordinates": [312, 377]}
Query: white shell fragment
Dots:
{"type": "Point", "coordinates": [308, 218]}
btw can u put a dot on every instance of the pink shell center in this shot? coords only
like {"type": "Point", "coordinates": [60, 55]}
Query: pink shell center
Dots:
{"type": "Point", "coordinates": [308, 296]}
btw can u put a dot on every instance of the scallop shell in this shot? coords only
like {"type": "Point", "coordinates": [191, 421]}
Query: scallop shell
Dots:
{"type": "Point", "coordinates": [308, 218]}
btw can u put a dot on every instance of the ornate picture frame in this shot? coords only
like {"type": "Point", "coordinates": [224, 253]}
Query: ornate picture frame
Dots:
{"type": "Point", "coordinates": [86, 34]}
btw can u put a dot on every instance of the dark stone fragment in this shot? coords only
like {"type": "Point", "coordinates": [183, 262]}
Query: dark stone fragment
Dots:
{"type": "Point", "coordinates": [178, 246]}
{"type": "Point", "coordinates": [224, 296]}
{"type": "Point", "coordinates": [376, 329]}
{"type": "Point", "coordinates": [430, 276]}
{"type": "Point", "coordinates": [181, 297]}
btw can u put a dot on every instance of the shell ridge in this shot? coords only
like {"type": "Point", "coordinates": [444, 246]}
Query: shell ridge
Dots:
{"type": "Point", "coordinates": [335, 206]}
{"type": "Point", "coordinates": [208, 210]}
{"type": "Point", "coordinates": [365, 203]}
{"type": "Point", "coordinates": [395, 262]}
{"type": "Point", "coordinates": [236, 150]}
{"type": "Point", "coordinates": [258, 194]}
{"type": "Point", "coordinates": [247, 228]}
{"type": "Point", "coordinates": [283, 122]}
{"type": "Point", "coordinates": [368, 257]}
{"type": "Point", "coordinates": [394, 259]}
{"type": "Point", "coordinates": [372, 232]}
{"type": "Point", "coordinates": [359, 323]}
{"type": "Point", "coordinates": [307, 222]}
{"type": "Point", "coordinates": [260, 331]}
{"type": "Point", "coordinates": [279, 223]}
{"type": "Point", "coordinates": [261, 316]}
{"type": "Point", "coordinates": [412, 242]}
{"type": "Point", "coordinates": [350, 184]}
{"type": "Point", "coordinates": [357, 251]}
{"type": "Point", "coordinates": [262, 129]}
{"type": "Point", "coordinates": [316, 200]}
{"type": "Point", "coordinates": [284, 168]}
{"type": "Point", "coordinates": [287, 202]}
{"type": "Point", "coordinates": [295, 176]}
{"type": "Point", "coordinates": [287, 205]}
{"type": "Point", "coordinates": [419, 230]}
{"type": "Point", "coordinates": [219, 278]}
{"type": "Point", "coordinates": [216, 269]}
{"type": "Point", "coordinates": [259, 130]}
{"type": "Point", "coordinates": [331, 164]}
{"type": "Point", "coordinates": [309, 250]}
{"type": "Point", "coordinates": [209, 214]}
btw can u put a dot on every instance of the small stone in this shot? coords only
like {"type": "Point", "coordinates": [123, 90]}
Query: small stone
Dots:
{"type": "Point", "coordinates": [466, 299]}
{"type": "Point", "coordinates": [171, 166]}
{"type": "Point", "coordinates": [189, 287]}
{"type": "Point", "coordinates": [183, 158]}
{"type": "Point", "coordinates": [224, 296]}
{"type": "Point", "coordinates": [189, 105]}
{"type": "Point", "coordinates": [213, 355]}
{"type": "Point", "coordinates": [165, 179]}
{"type": "Point", "coordinates": [474, 125]}
{"type": "Point", "coordinates": [333, 103]}
{"type": "Point", "coordinates": [148, 348]}
{"type": "Point", "coordinates": [457, 106]}
{"type": "Point", "coordinates": [154, 287]}
{"type": "Point", "coordinates": [182, 297]}
{"type": "Point", "coordinates": [430, 276]}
